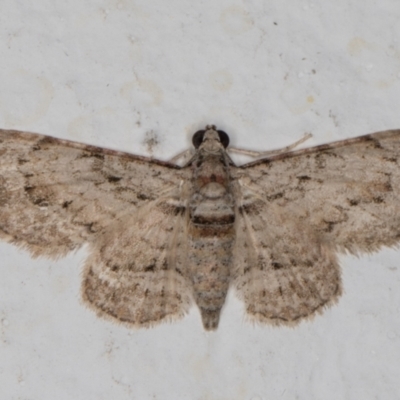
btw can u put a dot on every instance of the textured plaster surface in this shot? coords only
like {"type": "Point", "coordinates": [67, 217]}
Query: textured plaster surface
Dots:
{"type": "Point", "coordinates": [142, 76]}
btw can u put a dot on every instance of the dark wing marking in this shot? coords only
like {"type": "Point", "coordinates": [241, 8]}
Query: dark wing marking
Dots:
{"type": "Point", "coordinates": [55, 194]}
{"type": "Point", "coordinates": [347, 192]}
{"type": "Point", "coordinates": [136, 271]}
{"type": "Point", "coordinates": [282, 271]}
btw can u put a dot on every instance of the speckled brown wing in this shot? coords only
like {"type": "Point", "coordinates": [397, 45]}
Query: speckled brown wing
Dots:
{"type": "Point", "coordinates": [347, 192]}
{"type": "Point", "coordinates": [137, 271]}
{"type": "Point", "coordinates": [56, 195]}
{"type": "Point", "coordinates": [282, 270]}
{"type": "Point", "coordinates": [296, 210]}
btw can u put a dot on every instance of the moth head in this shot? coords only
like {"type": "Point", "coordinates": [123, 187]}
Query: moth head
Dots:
{"type": "Point", "coordinates": [212, 135]}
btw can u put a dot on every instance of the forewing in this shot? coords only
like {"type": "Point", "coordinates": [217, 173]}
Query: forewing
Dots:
{"type": "Point", "coordinates": [55, 194]}
{"type": "Point", "coordinates": [136, 273]}
{"type": "Point", "coordinates": [282, 271]}
{"type": "Point", "coordinates": [348, 192]}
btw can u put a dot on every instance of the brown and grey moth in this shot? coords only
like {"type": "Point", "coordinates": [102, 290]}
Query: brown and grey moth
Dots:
{"type": "Point", "coordinates": [162, 236]}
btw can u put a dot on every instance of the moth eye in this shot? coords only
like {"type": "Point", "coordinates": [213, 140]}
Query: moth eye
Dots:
{"type": "Point", "coordinates": [224, 138]}
{"type": "Point", "coordinates": [198, 138]}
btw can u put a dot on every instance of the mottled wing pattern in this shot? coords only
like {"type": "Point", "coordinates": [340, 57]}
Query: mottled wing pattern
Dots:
{"type": "Point", "coordinates": [293, 212]}
{"type": "Point", "coordinates": [56, 195]}
{"type": "Point", "coordinates": [136, 272]}
{"type": "Point", "coordinates": [282, 271]}
{"type": "Point", "coordinates": [347, 192]}
{"type": "Point", "coordinates": [297, 209]}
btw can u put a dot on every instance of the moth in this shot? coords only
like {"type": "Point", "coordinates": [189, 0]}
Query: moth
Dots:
{"type": "Point", "coordinates": [161, 236]}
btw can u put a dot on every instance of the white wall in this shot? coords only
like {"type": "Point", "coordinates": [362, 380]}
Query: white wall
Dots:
{"type": "Point", "coordinates": [114, 73]}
